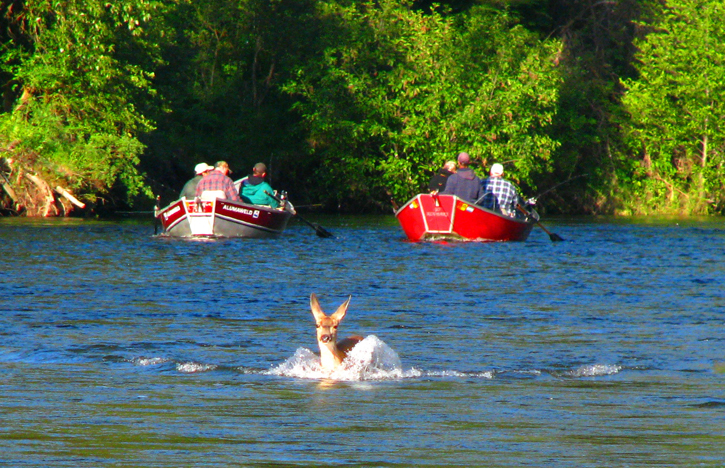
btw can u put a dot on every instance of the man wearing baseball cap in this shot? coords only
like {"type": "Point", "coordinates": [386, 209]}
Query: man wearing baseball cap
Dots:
{"type": "Point", "coordinates": [498, 193]}
{"type": "Point", "coordinates": [256, 190]}
{"type": "Point", "coordinates": [219, 181]}
{"type": "Point", "coordinates": [189, 190]}
{"type": "Point", "coordinates": [464, 183]}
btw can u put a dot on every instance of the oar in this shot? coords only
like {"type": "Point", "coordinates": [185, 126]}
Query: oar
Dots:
{"type": "Point", "coordinates": [157, 207]}
{"type": "Point", "coordinates": [554, 237]}
{"type": "Point", "coordinates": [319, 230]}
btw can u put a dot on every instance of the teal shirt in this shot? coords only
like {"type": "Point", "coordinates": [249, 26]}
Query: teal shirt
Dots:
{"type": "Point", "coordinates": [255, 195]}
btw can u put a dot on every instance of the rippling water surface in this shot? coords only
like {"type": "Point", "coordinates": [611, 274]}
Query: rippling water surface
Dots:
{"type": "Point", "coordinates": [118, 348]}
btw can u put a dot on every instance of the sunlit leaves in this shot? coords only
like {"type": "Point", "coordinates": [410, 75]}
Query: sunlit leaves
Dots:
{"type": "Point", "coordinates": [397, 92]}
{"type": "Point", "coordinates": [677, 106]}
{"type": "Point", "coordinates": [86, 65]}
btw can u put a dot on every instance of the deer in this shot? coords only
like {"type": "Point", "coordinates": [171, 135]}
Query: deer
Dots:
{"type": "Point", "coordinates": [332, 352]}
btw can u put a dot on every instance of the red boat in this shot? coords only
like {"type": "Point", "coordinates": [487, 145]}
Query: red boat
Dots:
{"type": "Point", "coordinates": [221, 218]}
{"type": "Point", "coordinates": [447, 217]}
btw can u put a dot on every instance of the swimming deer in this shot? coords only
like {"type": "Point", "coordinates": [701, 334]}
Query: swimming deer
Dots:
{"type": "Point", "coordinates": [332, 352]}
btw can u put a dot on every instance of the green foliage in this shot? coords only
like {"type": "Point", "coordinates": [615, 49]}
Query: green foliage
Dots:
{"type": "Point", "coordinates": [398, 92]}
{"type": "Point", "coordinates": [353, 103]}
{"type": "Point", "coordinates": [677, 108]}
{"type": "Point", "coordinates": [595, 53]}
{"type": "Point", "coordinates": [85, 66]}
{"type": "Point", "coordinates": [221, 89]}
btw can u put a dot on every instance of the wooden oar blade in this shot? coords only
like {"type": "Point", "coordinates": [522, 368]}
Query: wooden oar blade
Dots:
{"type": "Point", "coordinates": [321, 232]}
{"type": "Point", "coordinates": [554, 237]}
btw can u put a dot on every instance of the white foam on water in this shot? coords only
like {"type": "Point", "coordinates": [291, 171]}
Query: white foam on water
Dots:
{"type": "Point", "coordinates": [451, 373]}
{"type": "Point", "coordinates": [142, 361]}
{"type": "Point", "coordinates": [370, 359]}
{"type": "Point", "coordinates": [594, 370]}
{"type": "Point", "coordinates": [194, 367]}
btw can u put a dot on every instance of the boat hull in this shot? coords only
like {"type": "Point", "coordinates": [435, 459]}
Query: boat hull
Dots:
{"type": "Point", "coordinates": [221, 218]}
{"type": "Point", "coordinates": [447, 217]}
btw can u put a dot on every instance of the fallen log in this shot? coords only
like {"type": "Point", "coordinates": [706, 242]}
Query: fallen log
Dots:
{"type": "Point", "coordinates": [8, 188]}
{"type": "Point", "coordinates": [46, 194]}
{"type": "Point", "coordinates": [61, 191]}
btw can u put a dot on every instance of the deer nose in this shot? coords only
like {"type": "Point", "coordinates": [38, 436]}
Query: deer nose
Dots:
{"type": "Point", "coordinates": [326, 338]}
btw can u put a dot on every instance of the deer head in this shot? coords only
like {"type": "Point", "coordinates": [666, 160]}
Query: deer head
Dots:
{"type": "Point", "coordinates": [330, 355]}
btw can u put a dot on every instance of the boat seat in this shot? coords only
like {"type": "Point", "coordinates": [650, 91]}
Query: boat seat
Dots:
{"type": "Point", "coordinates": [211, 195]}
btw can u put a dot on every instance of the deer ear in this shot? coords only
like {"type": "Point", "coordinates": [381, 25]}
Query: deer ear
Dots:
{"type": "Point", "coordinates": [341, 311]}
{"type": "Point", "coordinates": [315, 307]}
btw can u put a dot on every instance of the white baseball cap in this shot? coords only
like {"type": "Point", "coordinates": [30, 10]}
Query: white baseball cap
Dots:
{"type": "Point", "coordinates": [497, 169]}
{"type": "Point", "coordinates": [202, 168]}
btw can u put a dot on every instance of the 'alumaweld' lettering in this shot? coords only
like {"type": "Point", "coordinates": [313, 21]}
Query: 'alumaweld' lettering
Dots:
{"type": "Point", "coordinates": [245, 211]}
{"type": "Point", "coordinates": [172, 211]}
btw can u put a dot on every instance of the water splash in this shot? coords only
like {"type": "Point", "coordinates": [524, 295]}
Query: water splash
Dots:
{"type": "Point", "coordinates": [371, 359]}
{"type": "Point", "coordinates": [184, 367]}
{"type": "Point", "coordinates": [194, 367]}
{"type": "Point", "coordinates": [460, 374]}
{"type": "Point", "coordinates": [594, 370]}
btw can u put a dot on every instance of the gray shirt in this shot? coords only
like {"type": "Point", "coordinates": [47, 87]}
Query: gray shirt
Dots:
{"type": "Point", "coordinates": [189, 190]}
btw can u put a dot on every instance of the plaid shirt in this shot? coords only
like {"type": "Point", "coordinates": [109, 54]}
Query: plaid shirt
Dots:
{"type": "Point", "coordinates": [499, 194]}
{"type": "Point", "coordinates": [215, 180]}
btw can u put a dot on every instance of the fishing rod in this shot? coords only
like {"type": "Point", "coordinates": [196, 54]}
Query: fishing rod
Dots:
{"type": "Point", "coordinates": [532, 201]}
{"type": "Point", "coordinates": [557, 186]}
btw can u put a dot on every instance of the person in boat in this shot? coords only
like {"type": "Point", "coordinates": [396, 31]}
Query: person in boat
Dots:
{"type": "Point", "coordinates": [439, 179]}
{"type": "Point", "coordinates": [464, 184]}
{"type": "Point", "coordinates": [256, 190]}
{"type": "Point", "coordinates": [218, 181]}
{"type": "Point", "coordinates": [189, 190]}
{"type": "Point", "coordinates": [498, 193]}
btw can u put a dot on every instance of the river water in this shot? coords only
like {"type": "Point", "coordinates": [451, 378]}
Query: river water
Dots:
{"type": "Point", "coordinates": [121, 349]}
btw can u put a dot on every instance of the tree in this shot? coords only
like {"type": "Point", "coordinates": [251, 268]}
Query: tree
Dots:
{"type": "Point", "coordinates": [396, 92]}
{"type": "Point", "coordinates": [596, 53]}
{"type": "Point", "coordinates": [677, 109]}
{"type": "Point", "coordinates": [220, 84]}
{"type": "Point", "coordinates": [81, 69]}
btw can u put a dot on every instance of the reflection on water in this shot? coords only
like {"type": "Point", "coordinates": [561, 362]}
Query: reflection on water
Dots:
{"type": "Point", "coordinates": [118, 348]}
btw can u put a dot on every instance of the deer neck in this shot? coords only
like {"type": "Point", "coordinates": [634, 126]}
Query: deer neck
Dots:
{"type": "Point", "coordinates": [330, 356]}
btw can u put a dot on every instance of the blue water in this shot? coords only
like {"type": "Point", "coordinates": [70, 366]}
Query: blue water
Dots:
{"type": "Point", "coordinates": [119, 348]}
